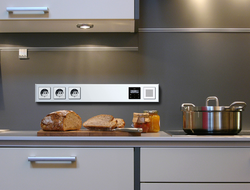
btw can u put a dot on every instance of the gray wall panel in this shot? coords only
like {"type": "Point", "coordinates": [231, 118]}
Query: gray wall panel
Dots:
{"type": "Point", "coordinates": [20, 76]}
{"type": "Point", "coordinates": [194, 13]}
{"type": "Point", "coordinates": [191, 67]}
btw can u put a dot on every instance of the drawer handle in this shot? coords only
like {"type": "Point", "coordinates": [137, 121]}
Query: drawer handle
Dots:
{"type": "Point", "coordinates": [35, 159]}
{"type": "Point", "coordinates": [13, 9]}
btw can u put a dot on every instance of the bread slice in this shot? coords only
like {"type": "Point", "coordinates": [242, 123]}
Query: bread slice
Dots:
{"type": "Point", "coordinates": [120, 123]}
{"type": "Point", "coordinates": [100, 122]}
{"type": "Point", "coordinates": [62, 120]}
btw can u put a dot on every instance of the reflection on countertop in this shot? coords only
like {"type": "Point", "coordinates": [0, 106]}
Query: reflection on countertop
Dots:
{"type": "Point", "coordinates": [7, 132]}
{"type": "Point", "coordinates": [3, 130]}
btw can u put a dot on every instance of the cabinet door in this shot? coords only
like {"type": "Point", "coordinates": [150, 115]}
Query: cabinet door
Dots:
{"type": "Point", "coordinates": [74, 9]}
{"type": "Point", "coordinates": [193, 186]}
{"type": "Point", "coordinates": [195, 164]}
{"type": "Point", "coordinates": [94, 169]}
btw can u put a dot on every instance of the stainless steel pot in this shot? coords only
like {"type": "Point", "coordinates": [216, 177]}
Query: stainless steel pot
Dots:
{"type": "Point", "coordinates": [212, 119]}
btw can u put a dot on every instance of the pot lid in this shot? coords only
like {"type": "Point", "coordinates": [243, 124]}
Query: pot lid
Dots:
{"type": "Point", "coordinates": [235, 106]}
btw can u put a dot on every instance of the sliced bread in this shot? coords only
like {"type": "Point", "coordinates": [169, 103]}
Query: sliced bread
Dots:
{"type": "Point", "coordinates": [120, 123]}
{"type": "Point", "coordinates": [100, 122]}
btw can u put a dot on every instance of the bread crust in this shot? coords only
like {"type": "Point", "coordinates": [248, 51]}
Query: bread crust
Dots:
{"type": "Point", "coordinates": [61, 120]}
{"type": "Point", "coordinates": [100, 122]}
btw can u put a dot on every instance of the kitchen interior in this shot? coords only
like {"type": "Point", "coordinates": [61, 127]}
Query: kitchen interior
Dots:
{"type": "Point", "coordinates": [189, 49]}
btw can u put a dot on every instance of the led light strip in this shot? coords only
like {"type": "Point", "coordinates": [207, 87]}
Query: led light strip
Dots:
{"type": "Point", "coordinates": [194, 30]}
{"type": "Point", "coordinates": [70, 48]}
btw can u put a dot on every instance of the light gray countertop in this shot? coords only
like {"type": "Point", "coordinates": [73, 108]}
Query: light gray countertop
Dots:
{"type": "Point", "coordinates": [160, 139]}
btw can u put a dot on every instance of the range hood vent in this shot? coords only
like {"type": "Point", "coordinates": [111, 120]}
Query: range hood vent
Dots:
{"type": "Point", "coordinates": [73, 16]}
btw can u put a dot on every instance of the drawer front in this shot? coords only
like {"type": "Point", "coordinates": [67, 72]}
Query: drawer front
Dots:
{"type": "Point", "coordinates": [193, 186]}
{"type": "Point", "coordinates": [195, 165]}
{"type": "Point", "coordinates": [94, 169]}
{"type": "Point", "coordinates": [74, 9]}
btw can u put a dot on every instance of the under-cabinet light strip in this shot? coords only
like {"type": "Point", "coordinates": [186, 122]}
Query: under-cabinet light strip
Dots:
{"type": "Point", "coordinates": [194, 30]}
{"type": "Point", "coordinates": [70, 48]}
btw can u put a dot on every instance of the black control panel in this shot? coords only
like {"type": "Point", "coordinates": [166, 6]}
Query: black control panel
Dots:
{"type": "Point", "coordinates": [134, 93]}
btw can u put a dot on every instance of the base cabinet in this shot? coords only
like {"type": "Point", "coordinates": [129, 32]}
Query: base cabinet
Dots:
{"type": "Point", "coordinates": [94, 169]}
{"type": "Point", "coordinates": [195, 186]}
{"type": "Point", "coordinates": [195, 165]}
{"type": "Point", "coordinates": [195, 168]}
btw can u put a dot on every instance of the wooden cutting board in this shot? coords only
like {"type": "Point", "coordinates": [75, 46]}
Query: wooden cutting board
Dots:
{"type": "Point", "coordinates": [85, 132]}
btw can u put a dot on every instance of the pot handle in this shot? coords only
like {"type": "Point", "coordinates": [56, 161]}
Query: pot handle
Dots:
{"type": "Point", "coordinates": [212, 98]}
{"type": "Point", "coordinates": [186, 106]}
{"type": "Point", "coordinates": [238, 105]}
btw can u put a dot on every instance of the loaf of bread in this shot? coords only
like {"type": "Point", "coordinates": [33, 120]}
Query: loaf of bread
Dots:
{"type": "Point", "coordinates": [103, 122]}
{"type": "Point", "coordinates": [62, 120]}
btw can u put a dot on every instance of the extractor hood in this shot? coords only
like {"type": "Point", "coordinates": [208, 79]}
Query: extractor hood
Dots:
{"type": "Point", "coordinates": [68, 16]}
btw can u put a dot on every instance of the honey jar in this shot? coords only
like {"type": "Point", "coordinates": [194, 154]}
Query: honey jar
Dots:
{"type": "Point", "coordinates": [141, 120]}
{"type": "Point", "coordinates": [154, 125]}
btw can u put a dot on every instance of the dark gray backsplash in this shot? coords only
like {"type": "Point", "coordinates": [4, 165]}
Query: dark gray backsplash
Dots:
{"type": "Point", "coordinates": [188, 66]}
{"type": "Point", "coordinates": [194, 13]}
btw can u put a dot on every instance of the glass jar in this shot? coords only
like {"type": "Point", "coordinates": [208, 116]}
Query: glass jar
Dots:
{"type": "Point", "coordinates": [154, 125]}
{"type": "Point", "coordinates": [141, 120]}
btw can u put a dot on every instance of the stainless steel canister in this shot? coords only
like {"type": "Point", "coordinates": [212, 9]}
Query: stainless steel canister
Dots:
{"type": "Point", "coordinates": [212, 119]}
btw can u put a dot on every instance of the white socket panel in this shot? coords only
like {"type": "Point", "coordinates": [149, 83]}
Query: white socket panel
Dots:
{"type": "Point", "coordinates": [97, 92]}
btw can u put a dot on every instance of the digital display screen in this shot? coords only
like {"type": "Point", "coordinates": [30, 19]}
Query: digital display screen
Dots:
{"type": "Point", "coordinates": [134, 91]}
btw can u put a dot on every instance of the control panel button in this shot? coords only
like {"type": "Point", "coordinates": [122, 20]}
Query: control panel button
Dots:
{"type": "Point", "coordinates": [149, 93]}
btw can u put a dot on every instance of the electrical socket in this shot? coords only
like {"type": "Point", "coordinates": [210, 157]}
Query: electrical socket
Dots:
{"type": "Point", "coordinates": [75, 93]}
{"type": "Point", "coordinates": [23, 53]}
{"type": "Point", "coordinates": [59, 93]}
{"type": "Point", "coordinates": [44, 93]}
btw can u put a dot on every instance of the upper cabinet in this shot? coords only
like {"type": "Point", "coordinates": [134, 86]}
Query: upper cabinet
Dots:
{"type": "Point", "coordinates": [67, 16]}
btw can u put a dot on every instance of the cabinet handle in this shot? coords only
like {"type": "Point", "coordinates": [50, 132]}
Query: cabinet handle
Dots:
{"type": "Point", "coordinates": [12, 9]}
{"type": "Point", "coordinates": [34, 159]}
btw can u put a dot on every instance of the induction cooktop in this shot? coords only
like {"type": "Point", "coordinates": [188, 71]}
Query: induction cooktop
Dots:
{"type": "Point", "coordinates": [181, 132]}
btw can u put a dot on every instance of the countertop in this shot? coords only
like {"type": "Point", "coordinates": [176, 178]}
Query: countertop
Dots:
{"type": "Point", "coordinates": [160, 139]}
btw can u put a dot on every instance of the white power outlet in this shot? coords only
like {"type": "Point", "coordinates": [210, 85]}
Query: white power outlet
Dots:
{"type": "Point", "coordinates": [59, 93]}
{"type": "Point", "coordinates": [44, 93]}
{"type": "Point", "coordinates": [23, 53]}
{"type": "Point", "coordinates": [75, 93]}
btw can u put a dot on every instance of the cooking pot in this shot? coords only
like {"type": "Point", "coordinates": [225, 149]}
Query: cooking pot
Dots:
{"type": "Point", "coordinates": [212, 119]}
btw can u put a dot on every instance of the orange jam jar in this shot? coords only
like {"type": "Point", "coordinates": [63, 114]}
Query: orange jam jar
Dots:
{"type": "Point", "coordinates": [141, 120]}
{"type": "Point", "coordinates": [154, 125]}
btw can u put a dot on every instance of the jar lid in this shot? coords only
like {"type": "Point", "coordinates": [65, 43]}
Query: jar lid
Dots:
{"type": "Point", "coordinates": [140, 117]}
{"type": "Point", "coordinates": [151, 111]}
{"type": "Point", "coordinates": [140, 114]}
